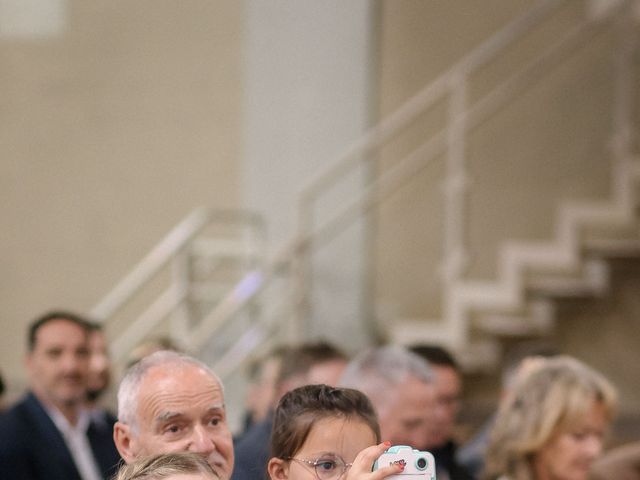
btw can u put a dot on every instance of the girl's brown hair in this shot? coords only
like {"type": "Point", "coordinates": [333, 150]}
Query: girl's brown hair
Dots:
{"type": "Point", "coordinates": [300, 408]}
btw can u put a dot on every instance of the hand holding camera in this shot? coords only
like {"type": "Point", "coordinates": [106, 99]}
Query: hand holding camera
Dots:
{"type": "Point", "coordinates": [414, 463]}
{"type": "Point", "coordinates": [361, 468]}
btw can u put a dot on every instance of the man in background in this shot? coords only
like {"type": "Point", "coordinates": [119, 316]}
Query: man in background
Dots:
{"type": "Point", "coordinates": [311, 363]}
{"type": "Point", "coordinates": [99, 374]}
{"type": "Point", "coordinates": [169, 402]}
{"type": "Point", "coordinates": [98, 381]}
{"type": "Point", "coordinates": [48, 434]}
{"type": "Point", "coordinates": [448, 383]}
{"type": "Point", "coordinates": [401, 388]}
{"type": "Point", "coordinates": [2, 389]}
{"type": "Point", "coordinates": [261, 390]}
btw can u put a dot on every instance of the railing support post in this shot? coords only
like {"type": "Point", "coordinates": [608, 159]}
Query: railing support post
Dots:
{"type": "Point", "coordinates": [181, 319]}
{"type": "Point", "coordinates": [455, 186]}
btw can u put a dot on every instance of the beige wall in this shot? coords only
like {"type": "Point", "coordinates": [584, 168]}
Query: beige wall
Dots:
{"type": "Point", "coordinates": [308, 89]}
{"type": "Point", "coordinates": [114, 130]}
{"type": "Point", "coordinates": [546, 145]}
{"type": "Point", "coordinates": [418, 41]}
{"type": "Point", "coordinates": [605, 332]}
{"type": "Point", "coordinates": [110, 133]}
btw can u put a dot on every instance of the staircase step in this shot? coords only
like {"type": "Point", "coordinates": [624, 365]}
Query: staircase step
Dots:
{"type": "Point", "coordinates": [592, 280]}
{"type": "Point", "coordinates": [475, 356]}
{"type": "Point", "coordinates": [538, 320]}
{"type": "Point", "coordinates": [479, 356]}
{"type": "Point", "coordinates": [613, 248]}
{"type": "Point", "coordinates": [629, 231]}
{"type": "Point", "coordinates": [419, 330]}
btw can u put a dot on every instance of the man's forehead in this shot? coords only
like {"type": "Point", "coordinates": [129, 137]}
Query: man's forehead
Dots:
{"type": "Point", "coordinates": [60, 327]}
{"type": "Point", "coordinates": [171, 413]}
{"type": "Point", "coordinates": [174, 388]}
{"type": "Point", "coordinates": [414, 391]}
{"type": "Point", "coordinates": [179, 373]}
{"type": "Point", "coordinates": [174, 381]}
{"type": "Point", "coordinates": [60, 334]}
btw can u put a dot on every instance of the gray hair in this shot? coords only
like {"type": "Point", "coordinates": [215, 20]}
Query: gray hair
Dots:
{"type": "Point", "coordinates": [130, 384]}
{"type": "Point", "coordinates": [378, 370]}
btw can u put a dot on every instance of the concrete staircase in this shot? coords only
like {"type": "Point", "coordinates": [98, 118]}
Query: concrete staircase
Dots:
{"type": "Point", "coordinates": [520, 301]}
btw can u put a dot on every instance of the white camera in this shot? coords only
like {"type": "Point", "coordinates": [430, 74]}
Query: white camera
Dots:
{"type": "Point", "coordinates": [417, 464]}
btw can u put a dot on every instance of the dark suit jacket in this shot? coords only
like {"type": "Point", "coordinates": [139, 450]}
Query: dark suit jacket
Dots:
{"type": "Point", "coordinates": [252, 452]}
{"type": "Point", "coordinates": [32, 448]}
{"type": "Point", "coordinates": [445, 458]}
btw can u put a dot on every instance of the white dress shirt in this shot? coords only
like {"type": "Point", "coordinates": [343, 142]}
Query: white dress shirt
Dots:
{"type": "Point", "coordinates": [75, 436]}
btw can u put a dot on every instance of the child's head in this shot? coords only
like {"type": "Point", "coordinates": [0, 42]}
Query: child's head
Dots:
{"type": "Point", "coordinates": [321, 425]}
{"type": "Point", "coordinates": [174, 466]}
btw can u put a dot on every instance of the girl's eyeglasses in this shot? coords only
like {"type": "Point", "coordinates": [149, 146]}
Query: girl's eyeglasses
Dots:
{"type": "Point", "coordinates": [327, 467]}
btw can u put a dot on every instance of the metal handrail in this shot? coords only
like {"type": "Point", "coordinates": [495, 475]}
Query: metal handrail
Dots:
{"type": "Point", "coordinates": [161, 255]}
{"type": "Point", "coordinates": [452, 81]}
{"type": "Point", "coordinates": [255, 282]}
{"type": "Point", "coordinates": [427, 97]}
{"type": "Point", "coordinates": [151, 264]}
{"type": "Point", "coordinates": [168, 250]}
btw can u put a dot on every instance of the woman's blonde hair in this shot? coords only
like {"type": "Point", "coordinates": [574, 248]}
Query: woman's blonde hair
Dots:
{"type": "Point", "coordinates": [165, 466]}
{"type": "Point", "coordinates": [551, 397]}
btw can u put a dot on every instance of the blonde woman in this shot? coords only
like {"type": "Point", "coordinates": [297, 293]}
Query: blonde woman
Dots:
{"type": "Point", "coordinates": [552, 426]}
{"type": "Point", "coordinates": [173, 466]}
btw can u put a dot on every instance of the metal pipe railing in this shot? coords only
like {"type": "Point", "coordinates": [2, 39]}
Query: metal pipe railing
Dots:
{"type": "Point", "coordinates": [426, 98]}
{"type": "Point", "coordinates": [463, 117]}
{"type": "Point", "coordinates": [151, 264]}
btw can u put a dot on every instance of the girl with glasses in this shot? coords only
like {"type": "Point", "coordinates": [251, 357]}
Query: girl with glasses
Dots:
{"type": "Point", "coordinates": [325, 433]}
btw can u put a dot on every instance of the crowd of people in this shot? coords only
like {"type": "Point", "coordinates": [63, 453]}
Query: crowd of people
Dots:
{"type": "Point", "coordinates": [311, 413]}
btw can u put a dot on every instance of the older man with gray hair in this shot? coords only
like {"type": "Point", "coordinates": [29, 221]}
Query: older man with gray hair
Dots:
{"type": "Point", "coordinates": [170, 402]}
{"type": "Point", "coordinates": [400, 386]}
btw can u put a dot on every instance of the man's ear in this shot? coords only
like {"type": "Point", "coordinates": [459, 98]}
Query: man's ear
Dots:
{"type": "Point", "coordinates": [278, 469]}
{"type": "Point", "coordinates": [125, 443]}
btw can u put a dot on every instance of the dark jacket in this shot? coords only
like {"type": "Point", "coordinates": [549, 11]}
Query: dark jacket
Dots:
{"type": "Point", "coordinates": [32, 448]}
{"type": "Point", "coordinates": [445, 458]}
{"type": "Point", "coordinates": [252, 452]}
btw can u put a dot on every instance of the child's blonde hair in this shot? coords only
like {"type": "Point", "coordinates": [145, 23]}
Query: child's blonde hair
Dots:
{"type": "Point", "coordinates": [165, 466]}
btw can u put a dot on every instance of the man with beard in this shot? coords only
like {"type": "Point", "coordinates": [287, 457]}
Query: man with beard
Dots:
{"type": "Point", "coordinates": [169, 402]}
{"type": "Point", "coordinates": [99, 376]}
{"type": "Point", "coordinates": [1, 393]}
{"type": "Point", "coordinates": [98, 380]}
{"type": "Point", "coordinates": [48, 434]}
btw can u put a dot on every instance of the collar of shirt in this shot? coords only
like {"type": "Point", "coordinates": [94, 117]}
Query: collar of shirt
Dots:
{"type": "Point", "coordinates": [65, 426]}
{"type": "Point", "coordinates": [75, 437]}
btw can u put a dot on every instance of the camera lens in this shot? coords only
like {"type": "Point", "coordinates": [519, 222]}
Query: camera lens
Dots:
{"type": "Point", "coordinates": [421, 463]}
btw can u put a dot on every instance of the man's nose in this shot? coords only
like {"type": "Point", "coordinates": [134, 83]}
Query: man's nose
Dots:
{"type": "Point", "coordinates": [201, 441]}
{"type": "Point", "coordinates": [71, 363]}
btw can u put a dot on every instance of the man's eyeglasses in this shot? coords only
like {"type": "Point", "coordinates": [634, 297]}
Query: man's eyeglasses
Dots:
{"type": "Point", "coordinates": [327, 467]}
